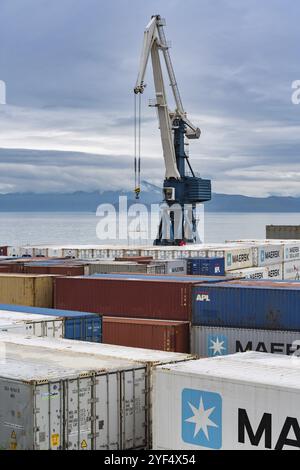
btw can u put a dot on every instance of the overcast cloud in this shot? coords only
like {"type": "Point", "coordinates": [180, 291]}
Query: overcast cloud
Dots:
{"type": "Point", "coordinates": [70, 66]}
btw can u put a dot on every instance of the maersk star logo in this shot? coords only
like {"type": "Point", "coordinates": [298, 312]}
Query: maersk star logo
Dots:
{"type": "Point", "coordinates": [202, 418]}
{"type": "Point", "coordinates": [217, 345]}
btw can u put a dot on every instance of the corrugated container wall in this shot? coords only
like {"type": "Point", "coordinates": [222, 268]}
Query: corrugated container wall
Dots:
{"type": "Point", "coordinates": [252, 273]}
{"type": "Point", "coordinates": [123, 267]}
{"type": "Point", "coordinates": [59, 270]}
{"type": "Point", "coordinates": [83, 326]}
{"type": "Point", "coordinates": [206, 266]}
{"type": "Point", "coordinates": [288, 232]}
{"type": "Point", "coordinates": [124, 297]}
{"type": "Point", "coordinates": [135, 404]}
{"type": "Point", "coordinates": [248, 304]}
{"type": "Point", "coordinates": [151, 334]}
{"type": "Point", "coordinates": [31, 290]}
{"type": "Point", "coordinates": [207, 341]}
{"type": "Point", "coordinates": [70, 401]}
{"type": "Point", "coordinates": [291, 270]}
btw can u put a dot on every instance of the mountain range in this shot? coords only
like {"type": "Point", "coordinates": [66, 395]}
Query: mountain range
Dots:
{"type": "Point", "coordinates": [81, 201]}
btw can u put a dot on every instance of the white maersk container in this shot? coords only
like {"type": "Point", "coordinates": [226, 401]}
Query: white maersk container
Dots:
{"type": "Point", "coordinates": [268, 254]}
{"type": "Point", "coordinates": [291, 248]}
{"type": "Point", "coordinates": [52, 400]}
{"type": "Point", "coordinates": [291, 270]}
{"type": "Point", "coordinates": [36, 325]}
{"type": "Point", "coordinates": [251, 273]}
{"type": "Point", "coordinates": [244, 401]}
{"type": "Point", "coordinates": [291, 251]}
{"type": "Point", "coordinates": [207, 341]}
{"type": "Point", "coordinates": [275, 272]}
{"type": "Point", "coordinates": [236, 257]}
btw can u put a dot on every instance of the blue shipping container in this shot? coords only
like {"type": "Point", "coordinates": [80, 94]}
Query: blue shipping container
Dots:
{"type": "Point", "coordinates": [206, 266]}
{"type": "Point", "coordinates": [78, 325]}
{"type": "Point", "coordinates": [243, 306]}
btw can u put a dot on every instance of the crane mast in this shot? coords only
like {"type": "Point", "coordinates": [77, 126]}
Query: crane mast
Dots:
{"type": "Point", "coordinates": [182, 192]}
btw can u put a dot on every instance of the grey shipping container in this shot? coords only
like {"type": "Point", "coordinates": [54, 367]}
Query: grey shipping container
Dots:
{"type": "Point", "coordinates": [52, 400]}
{"type": "Point", "coordinates": [217, 341]}
{"type": "Point", "coordinates": [173, 266]}
{"type": "Point", "coordinates": [108, 267]}
{"type": "Point", "coordinates": [283, 232]}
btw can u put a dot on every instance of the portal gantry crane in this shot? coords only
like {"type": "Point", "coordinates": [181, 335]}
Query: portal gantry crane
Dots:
{"type": "Point", "coordinates": [182, 191]}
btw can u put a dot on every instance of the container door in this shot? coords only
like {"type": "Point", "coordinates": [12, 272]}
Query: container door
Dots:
{"type": "Point", "coordinates": [93, 329]}
{"type": "Point", "coordinates": [107, 412]}
{"type": "Point", "coordinates": [48, 417]}
{"type": "Point", "coordinates": [78, 413]}
{"type": "Point", "coordinates": [54, 329]}
{"type": "Point", "coordinates": [16, 416]}
{"type": "Point", "coordinates": [35, 329]}
{"type": "Point", "coordinates": [133, 402]}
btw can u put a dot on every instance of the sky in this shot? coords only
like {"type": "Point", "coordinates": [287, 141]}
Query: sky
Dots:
{"type": "Point", "coordinates": [70, 67]}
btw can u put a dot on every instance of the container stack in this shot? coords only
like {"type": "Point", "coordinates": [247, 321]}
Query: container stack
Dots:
{"type": "Point", "coordinates": [76, 396]}
{"type": "Point", "coordinates": [237, 316]}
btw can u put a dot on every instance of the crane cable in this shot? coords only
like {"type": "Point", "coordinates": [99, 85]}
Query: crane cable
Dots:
{"type": "Point", "coordinates": [137, 144]}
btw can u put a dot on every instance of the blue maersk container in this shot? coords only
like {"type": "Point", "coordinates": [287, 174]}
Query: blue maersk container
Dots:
{"type": "Point", "coordinates": [206, 266]}
{"type": "Point", "coordinates": [78, 325]}
{"type": "Point", "coordinates": [265, 306]}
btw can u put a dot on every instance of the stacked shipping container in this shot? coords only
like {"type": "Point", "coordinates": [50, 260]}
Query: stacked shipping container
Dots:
{"type": "Point", "coordinates": [112, 385]}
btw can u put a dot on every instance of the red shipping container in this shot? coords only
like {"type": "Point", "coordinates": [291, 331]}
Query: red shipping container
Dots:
{"type": "Point", "coordinates": [158, 299]}
{"type": "Point", "coordinates": [161, 335]}
{"type": "Point", "coordinates": [59, 270]}
{"type": "Point", "coordinates": [14, 268]}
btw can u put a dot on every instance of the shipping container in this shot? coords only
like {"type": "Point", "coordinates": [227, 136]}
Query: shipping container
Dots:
{"type": "Point", "coordinates": [258, 304]}
{"type": "Point", "coordinates": [244, 401]}
{"type": "Point", "coordinates": [206, 266]}
{"type": "Point", "coordinates": [151, 334]}
{"type": "Point", "coordinates": [83, 326]}
{"type": "Point", "coordinates": [252, 273]}
{"type": "Point", "coordinates": [4, 250]}
{"type": "Point", "coordinates": [36, 325]}
{"type": "Point", "coordinates": [236, 257]}
{"type": "Point", "coordinates": [125, 296]}
{"type": "Point", "coordinates": [150, 277]}
{"type": "Point", "coordinates": [275, 272]}
{"type": "Point", "coordinates": [136, 259]}
{"type": "Point", "coordinates": [268, 254]}
{"type": "Point", "coordinates": [149, 359]}
{"type": "Point", "coordinates": [31, 290]}
{"type": "Point", "coordinates": [291, 248]}
{"type": "Point", "coordinates": [13, 251]}
{"type": "Point", "coordinates": [291, 270]}
{"type": "Point", "coordinates": [288, 232]}
{"type": "Point", "coordinates": [176, 266]}
{"type": "Point", "coordinates": [207, 341]}
{"type": "Point", "coordinates": [52, 400]}
{"type": "Point", "coordinates": [58, 270]}
{"type": "Point", "coordinates": [123, 267]}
